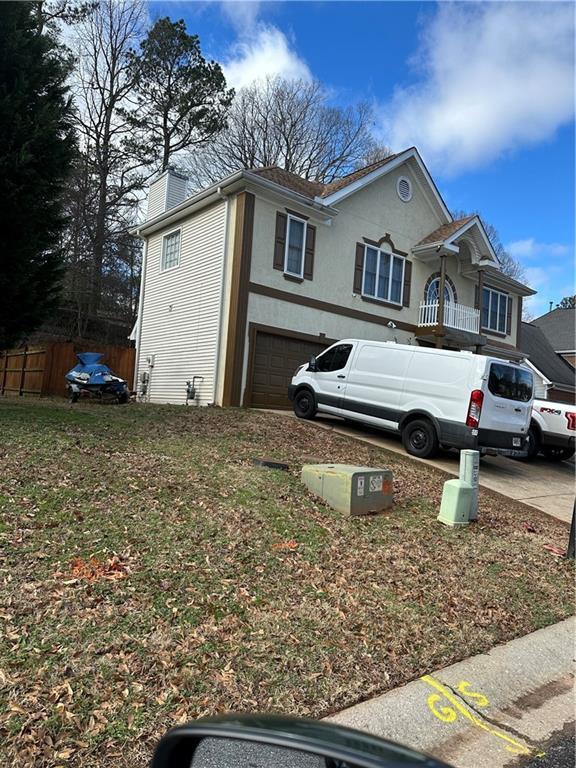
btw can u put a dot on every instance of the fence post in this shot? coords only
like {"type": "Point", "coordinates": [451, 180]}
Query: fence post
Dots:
{"type": "Point", "coordinates": [23, 371]}
{"type": "Point", "coordinates": [5, 358]}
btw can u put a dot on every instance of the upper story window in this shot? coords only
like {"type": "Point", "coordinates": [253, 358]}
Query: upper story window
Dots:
{"type": "Point", "coordinates": [433, 292]}
{"type": "Point", "coordinates": [170, 250]}
{"type": "Point", "coordinates": [295, 246]}
{"type": "Point", "coordinates": [383, 275]}
{"type": "Point", "coordinates": [495, 310]}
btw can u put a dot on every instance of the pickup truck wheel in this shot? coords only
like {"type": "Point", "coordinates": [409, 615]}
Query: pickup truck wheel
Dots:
{"type": "Point", "coordinates": [305, 404]}
{"type": "Point", "coordinates": [419, 438]}
{"type": "Point", "coordinates": [558, 454]}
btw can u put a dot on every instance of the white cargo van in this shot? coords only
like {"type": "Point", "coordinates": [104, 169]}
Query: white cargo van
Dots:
{"type": "Point", "coordinates": [433, 397]}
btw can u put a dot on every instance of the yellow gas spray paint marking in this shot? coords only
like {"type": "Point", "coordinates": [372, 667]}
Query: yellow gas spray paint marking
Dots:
{"type": "Point", "coordinates": [448, 714]}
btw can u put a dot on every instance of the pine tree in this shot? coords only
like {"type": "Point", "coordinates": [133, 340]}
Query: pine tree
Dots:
{"type": "Point", "coordinates": [36, 150]}
{"type": "Point", "coordinates": [181, 99]}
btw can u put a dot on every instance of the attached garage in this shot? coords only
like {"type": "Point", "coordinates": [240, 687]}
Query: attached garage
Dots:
{"type": "Point", "coordinates": [274, 357]}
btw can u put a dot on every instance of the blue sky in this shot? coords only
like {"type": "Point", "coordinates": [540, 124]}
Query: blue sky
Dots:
{"type": "Point", "coordinates": [484, 90]}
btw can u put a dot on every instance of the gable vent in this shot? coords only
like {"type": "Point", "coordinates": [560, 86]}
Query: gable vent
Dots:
{"type": "Point", "coordinates": [404, 189]}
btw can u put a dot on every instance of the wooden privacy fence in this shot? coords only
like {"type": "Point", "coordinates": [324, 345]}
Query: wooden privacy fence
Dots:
{"type": "Point", "coordinates": [41, 370]}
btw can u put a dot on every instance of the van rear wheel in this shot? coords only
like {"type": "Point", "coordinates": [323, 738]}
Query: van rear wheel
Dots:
{"type": "Point", "coordinates": [533, 446]}
{"type": "Point", "coordinates": [305, 404]}
{"type": "Point", "coordinates": [419, 438]}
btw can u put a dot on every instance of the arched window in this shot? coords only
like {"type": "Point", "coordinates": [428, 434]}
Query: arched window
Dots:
{"type": "Point", "coordinates": [433, 292]}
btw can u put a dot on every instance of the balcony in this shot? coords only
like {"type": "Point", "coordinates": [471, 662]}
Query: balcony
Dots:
{"type": "Point", "coordinates": [457, 316]}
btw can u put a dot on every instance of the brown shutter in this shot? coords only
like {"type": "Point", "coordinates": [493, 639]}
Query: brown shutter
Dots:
{"type": "Point", "coordinates": [508, 315]}
{"type": "Point", "coordinates": [407, 282]}
{"type": "Point", "coordinates": [280, 240]}
{"type": "Point", "coordinates": [358, 268]}
{"type": "Point", "coordinates": [309, 253]}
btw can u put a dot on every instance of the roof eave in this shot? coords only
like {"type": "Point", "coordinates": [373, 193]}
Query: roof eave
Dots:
{"type": "Point", "coordinates": [348, 190]}
{"type": "Point", "coordinates": [209, 195]}
{"type": "Point", "coordinates": [508, 282]}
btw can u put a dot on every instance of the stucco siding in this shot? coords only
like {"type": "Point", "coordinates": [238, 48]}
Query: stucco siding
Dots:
{"type": "Point", "coordinates": [370, 213]}
{"type": "Point", "coordinates": [181, 311]}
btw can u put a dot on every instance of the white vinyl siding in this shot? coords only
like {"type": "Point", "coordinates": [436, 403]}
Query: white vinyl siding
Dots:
{"type": "Point", "coordinates": [383, 275]}
{"type": "Point", "coordinates": [181, 310]}
{"type": "Point", "coordinates": [171, 250]}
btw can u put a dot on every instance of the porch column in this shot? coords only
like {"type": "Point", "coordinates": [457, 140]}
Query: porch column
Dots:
{"type": "Point", "coordinates": [441, 288]}
{"type": "Point", "coordinates": [478, 303]}
{"type": "Point", "coordinates": [480, 294]}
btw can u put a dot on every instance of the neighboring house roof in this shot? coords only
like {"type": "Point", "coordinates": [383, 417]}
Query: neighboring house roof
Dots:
{"type": "Point", "coordinates": [558, 327]}
{"type": "Point", "coordinates": [541, 354]}
{"type": "Point", "coordinates": [315, 188]}
{"type": "Point", "coordinates": [443, 233]}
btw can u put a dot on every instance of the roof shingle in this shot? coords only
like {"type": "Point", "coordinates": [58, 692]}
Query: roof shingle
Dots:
{"type": "Point", "coordinates": [315, 188]}
{"type": "Point", "coordinates": [444, 232]}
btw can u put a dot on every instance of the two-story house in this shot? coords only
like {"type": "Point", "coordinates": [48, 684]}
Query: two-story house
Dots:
{"type": "Point", "coordinates": [243, 281]}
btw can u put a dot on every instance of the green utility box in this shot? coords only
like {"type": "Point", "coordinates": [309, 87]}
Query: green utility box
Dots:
{"type": "Point", "coordinates": [456, 503]}
{"type": "Point", "coordinates": [349, 489]}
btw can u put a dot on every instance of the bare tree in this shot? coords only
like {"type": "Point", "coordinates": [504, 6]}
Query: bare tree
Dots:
{"type": "Point", "coordinates": [508, 264]}
{"type": "Point", "coordinates": [112, 178]}
{"type": "Point", "coordinates": [289, 124]}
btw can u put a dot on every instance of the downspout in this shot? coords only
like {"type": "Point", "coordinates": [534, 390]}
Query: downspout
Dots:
{"type": "Point", "coordinates": [224, 197]}
{"type": "Point", "coordinates": [140, 313]}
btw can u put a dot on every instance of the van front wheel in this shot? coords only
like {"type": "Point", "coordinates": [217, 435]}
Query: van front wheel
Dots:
{"type": "Point", "coordinates": [419, 438]}
{"type": "Point", "coordinates": [305, 404]}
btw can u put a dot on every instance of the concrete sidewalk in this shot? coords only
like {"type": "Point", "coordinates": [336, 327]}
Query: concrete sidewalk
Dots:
{"type": "Point", "coordinates": [491, 710]}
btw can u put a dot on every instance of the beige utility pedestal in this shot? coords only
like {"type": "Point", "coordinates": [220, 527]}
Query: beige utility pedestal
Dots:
{"type": "Point", "coordinates": [349, 489]}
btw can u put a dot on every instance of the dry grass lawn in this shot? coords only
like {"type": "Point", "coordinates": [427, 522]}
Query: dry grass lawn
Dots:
{"type": "Point", "coordinates": [150, 574]}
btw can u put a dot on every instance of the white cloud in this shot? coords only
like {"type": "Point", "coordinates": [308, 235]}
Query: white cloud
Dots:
{"type": "Point", "coordinates": [552, 284]}
{"type": "Point", "coordinates": [243, 14]}
{"type": "Point", "coordinates": [494, 77]}
{"type": "Point", "coordinates": [265, 52]}
{"type": "Point", "coordinates": [530, 249]}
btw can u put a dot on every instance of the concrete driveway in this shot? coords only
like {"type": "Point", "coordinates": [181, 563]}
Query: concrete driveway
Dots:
{"type": "Point", "coordinates": [542, 484]}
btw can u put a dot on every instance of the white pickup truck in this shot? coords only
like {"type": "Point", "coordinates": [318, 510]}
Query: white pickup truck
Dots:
{"type": "Point", "coordinates": [552, 430]}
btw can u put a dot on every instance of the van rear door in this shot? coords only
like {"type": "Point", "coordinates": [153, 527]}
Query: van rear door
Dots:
{"type": "Point", "coordinates": [508, 395]}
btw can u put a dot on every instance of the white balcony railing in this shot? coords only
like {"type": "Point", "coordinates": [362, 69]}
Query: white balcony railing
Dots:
{"type": "Point", "coordinates": [457, 316]}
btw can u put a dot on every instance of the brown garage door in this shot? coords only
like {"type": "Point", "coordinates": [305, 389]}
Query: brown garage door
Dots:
{"type": "Point", "coordinates": [275, 360]}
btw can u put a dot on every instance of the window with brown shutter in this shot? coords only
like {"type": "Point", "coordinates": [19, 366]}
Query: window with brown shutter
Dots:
{"type": "Point", "coordinates": [407, 283]}
{"type": "Point", "coordinates": [309, 252]}
{"type": "Point", "coordinates": [294, 245]}
{"type": "Point", "coordinates": [382, 276]}
{"type": "Point", "coordinates": [358, 268]}
{"type": "Point", "coordinates": [509, 316]}
{"type": "Point", "coordinates": [280, 240]}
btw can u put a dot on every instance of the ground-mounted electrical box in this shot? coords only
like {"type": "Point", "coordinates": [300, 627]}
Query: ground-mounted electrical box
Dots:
{"type": "Point", "coordinates": [349, 489]}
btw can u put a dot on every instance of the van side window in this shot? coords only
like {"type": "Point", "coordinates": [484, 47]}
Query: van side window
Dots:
{"type": "Point", "coordinates": [510, 383]}
{"type": "Point", "coordinates": [334, 359]}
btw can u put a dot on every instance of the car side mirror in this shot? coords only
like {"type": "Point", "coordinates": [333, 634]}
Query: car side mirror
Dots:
{"type": "Point", "coordinates": [312, 365]}
{"type": "Point", "coordinates": [260, 741]}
